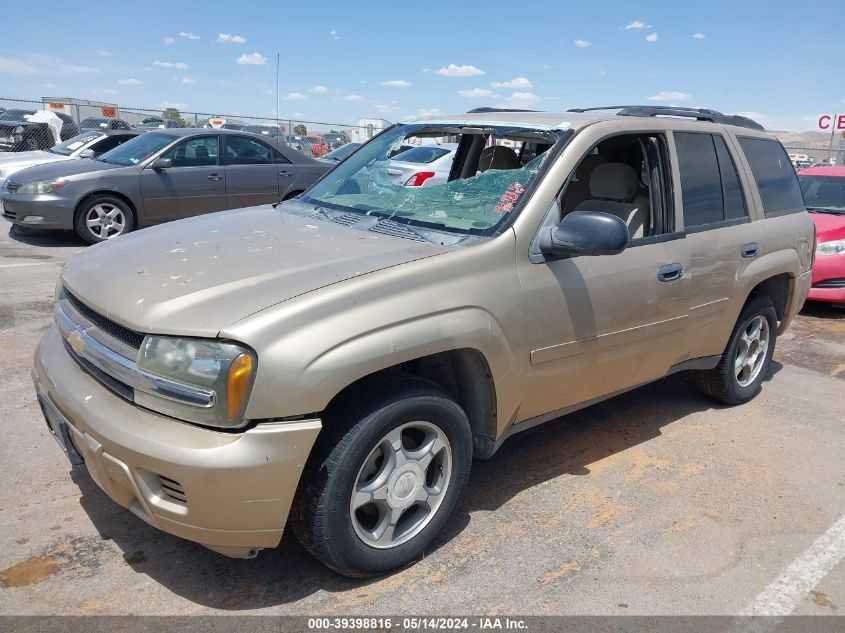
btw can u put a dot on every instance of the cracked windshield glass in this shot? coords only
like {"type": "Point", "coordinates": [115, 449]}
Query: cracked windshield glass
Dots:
{"type": "Point", "coordinates": [459, 179]}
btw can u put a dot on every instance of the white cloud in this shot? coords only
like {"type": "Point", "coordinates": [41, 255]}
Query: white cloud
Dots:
{"type": "Point", "coordinates": [453, 70]}
{"type": "Point", "coordinates": [476, 92]}
{"type": "Point", "coordinates": [256, 59]}
{"type": "Point", "coordinates": [514, 84]}
{"type": "Point", "coordinates": [187, 80]}
{"type": "Point", "coordinates": [637, 24]}
{"type": "Point", "coordinates": [39, 63]}
{"type": "Point", "coordinates": [669, 95]}
{"type": "Point", "coordinates": [12, 66]}
{"type": "Point", "coordinates": [334, 34]}
{"type": "Point", "coordinates": [103, 53]}
{"type": "Point", "coordinates": [318, 90]}
{"type": "Point", "coordinates": [522, 100]}
{"type": "Point", "coordinates": [106, 91]}
{"type": "Point", "coordinates": [129, 82]}
{"type": "Point", "coordinates": [48, 85]}
{"type": "Point", "coordinates": [396, 83]}
{"type": "Point", "coordinates": [228, 38]}
{"type": "Point", "coordinates": [698, 36]}
{"type": "Point", "coordinates": [189, 36]}
{"type": "Point", "coordinates": [385, 108]}
{"type": "Point", "coordinates": [352, 98]}
{"type": "Point", "coordinates": [176, 65]}
{"type": "Point", "coordinates": [171, 104]}
{"type": "Point", "coordinates": [428, 112]}
{"type": "Point", "coordinates": [294, 96]}
{"type": "Point", "coordinates": [651, 38]}
{"type": "Point", "coordinates": [582, 43]}
{"type": "Point", "coordinates": [169, 40]}
{"type": "Point", "coordinates": [602, 72]}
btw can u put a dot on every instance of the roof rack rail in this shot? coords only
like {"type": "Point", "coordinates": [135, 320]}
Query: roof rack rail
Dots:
{"type": "Point", "coordinates": [700, 114]}
{"type": "Point", "coordinates": [486, 109]}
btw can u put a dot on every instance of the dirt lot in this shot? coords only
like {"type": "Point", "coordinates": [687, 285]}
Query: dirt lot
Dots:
{"type": "Point", "coordinates": [655, 502]}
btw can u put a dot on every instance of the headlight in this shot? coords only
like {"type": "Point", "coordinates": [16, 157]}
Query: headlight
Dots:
{"type": "Point", "coordinates": [837, 247]}
{"type": "Point", "coordinates": [224, 369]}
{"type": "Point", "coordinates": [42, 186]}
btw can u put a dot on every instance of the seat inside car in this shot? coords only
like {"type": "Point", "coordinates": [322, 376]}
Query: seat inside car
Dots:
{"type": "Point", "coordinates": [498, 157]}
{"type": "Point", "coordinates": [613, 189]}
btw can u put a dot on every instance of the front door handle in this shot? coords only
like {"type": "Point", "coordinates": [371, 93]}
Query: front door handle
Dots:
{"type": "Point", "coordinates": [285, 174]}
{"type": "Point", "coordinates": [670, 272]}
{"type": "Point", "coordinates": [215, 177]}
{"type": "Point", "coordinates": [750, 250]}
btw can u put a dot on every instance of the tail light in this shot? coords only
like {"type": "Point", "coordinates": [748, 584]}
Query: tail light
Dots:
{"type": "Point", "coordinates": [419, 178]}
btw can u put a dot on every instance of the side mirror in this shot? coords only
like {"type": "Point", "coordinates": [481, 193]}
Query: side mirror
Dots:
{"type": "Point", "coordinates": [585, 233]}
{"type": "Point", "coordinates": [87, 153]}
{"type": "Point", "coordinates": [161, 163]}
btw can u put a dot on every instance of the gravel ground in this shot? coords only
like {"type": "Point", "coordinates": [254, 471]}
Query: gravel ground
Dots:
{"type": "Point", "coordinates": [655, 502]}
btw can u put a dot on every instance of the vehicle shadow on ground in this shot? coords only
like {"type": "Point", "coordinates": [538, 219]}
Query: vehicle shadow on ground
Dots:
{"type": "Point", "coordinates": [34, 237]}
{"type": "Point", "coordinates": [822, 310]}
{"type": "Point", "coordinates": [569, 445]}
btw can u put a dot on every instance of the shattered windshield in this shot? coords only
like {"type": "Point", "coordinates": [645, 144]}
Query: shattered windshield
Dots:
{"type": "Point", "coordinates": [490, 174]}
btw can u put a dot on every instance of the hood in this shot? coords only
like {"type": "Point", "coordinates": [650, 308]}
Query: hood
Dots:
{"type": "Point", "coordinates": [14, 162]}
{"type": "Point", "coordinates": [829, 226]}
{"type": "Point", "coordinates": [197, 276]}
{"type": "Point", "coordinates": [64, 168]}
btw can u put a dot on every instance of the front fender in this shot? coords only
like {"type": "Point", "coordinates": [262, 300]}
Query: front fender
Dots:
{"type": "Point", "coordinates": [316, 375]}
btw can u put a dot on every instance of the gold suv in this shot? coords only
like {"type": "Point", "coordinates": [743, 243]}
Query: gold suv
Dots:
{"type": "Point", "coordinates": [338, 360]}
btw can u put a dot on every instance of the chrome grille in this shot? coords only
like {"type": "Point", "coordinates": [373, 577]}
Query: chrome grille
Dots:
{"type": "Point", "coordinates": [115, 330]}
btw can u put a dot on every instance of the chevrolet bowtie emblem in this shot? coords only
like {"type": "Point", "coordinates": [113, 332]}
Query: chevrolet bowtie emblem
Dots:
{"type": "Point", "coordinates": [76, 342]}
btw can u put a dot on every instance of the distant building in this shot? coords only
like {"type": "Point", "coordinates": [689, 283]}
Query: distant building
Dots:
{"type": "Point", "coordinates": [367, 129]}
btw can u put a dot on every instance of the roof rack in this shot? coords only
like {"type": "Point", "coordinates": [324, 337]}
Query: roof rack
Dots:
{"type": "Point", "coordinates": [700, 114]}
{"type": "Point", "coordinates": [486, 109]}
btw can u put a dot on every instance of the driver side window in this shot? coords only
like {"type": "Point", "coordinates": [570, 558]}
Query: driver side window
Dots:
{"type": "Point", "coordinates": [200, 151]}
{"type": "Point", "coordinates": [627, 176]}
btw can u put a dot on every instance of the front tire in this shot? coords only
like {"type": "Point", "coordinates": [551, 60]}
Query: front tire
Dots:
{"type": "Point", "coordinates": [385, 476]}
{"type": "Point", "coordinates": [102, 218]}
{"type": "Point", "coordinates": [745, 361]}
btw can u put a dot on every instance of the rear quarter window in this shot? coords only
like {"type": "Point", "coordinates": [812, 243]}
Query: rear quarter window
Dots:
{"type": "Point", "coordinates": [774, 175]}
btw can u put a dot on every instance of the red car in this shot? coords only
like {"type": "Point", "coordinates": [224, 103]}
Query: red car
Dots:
{"type": "Point", "coordinates": [824, 195]}
{"type": "Point", "coordinates": [318, 145]}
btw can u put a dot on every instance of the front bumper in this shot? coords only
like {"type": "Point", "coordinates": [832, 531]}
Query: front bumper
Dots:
{"type": "Point", "coordinates": [56, 211]}
{"type": "Point", "coordinates": [228, 491]}
{"type": "Point", "coordinates": [828, 273]}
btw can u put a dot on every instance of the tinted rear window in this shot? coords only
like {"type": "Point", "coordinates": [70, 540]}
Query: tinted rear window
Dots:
{"type": "Point", "coordinates": [775, 176]}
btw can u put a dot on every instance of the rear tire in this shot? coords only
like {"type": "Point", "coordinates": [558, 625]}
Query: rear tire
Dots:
{"type": "Point", "coordinates": [384, 477]}
{"type": "Point", "coordinates": [101, 218]}
{"type": "Point", "coordinates": [746, 360]}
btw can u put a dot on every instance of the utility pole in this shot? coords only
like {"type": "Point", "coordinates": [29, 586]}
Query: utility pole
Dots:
{"type": "Point", "coordinates": [277, 89]}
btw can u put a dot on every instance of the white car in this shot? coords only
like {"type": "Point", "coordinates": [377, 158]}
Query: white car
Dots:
{"type": "Point", "coordinates": [86, 145]}
{"type": "Point", "coordinates": [422, 166]}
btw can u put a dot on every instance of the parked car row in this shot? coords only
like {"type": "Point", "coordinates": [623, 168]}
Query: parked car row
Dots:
{"type": "Point", "coordinates": [21, 130]}
{"type": "Point", "coordinates": [149, 178]}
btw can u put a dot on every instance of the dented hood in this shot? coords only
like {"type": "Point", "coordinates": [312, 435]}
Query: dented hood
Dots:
{"type": "Point", "coordinates": [196, 276]}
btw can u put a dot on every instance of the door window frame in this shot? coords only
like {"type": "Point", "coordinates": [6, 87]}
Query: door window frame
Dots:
{"type": "Point", "coordinates": [175, 146]}
{"type": "Point", "coordinates": [668, 162]}
{"type": "Point", "coordinates": [225, 153]}
{"type": "Point", "coordinates": [710, 226]}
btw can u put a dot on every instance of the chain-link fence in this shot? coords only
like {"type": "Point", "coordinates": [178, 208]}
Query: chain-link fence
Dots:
{"type": "Point", "coordinates": [28, 124]}
{"type": "Point", "coordinates": [805, 155]}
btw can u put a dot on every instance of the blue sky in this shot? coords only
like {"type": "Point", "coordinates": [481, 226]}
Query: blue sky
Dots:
{"type": "Point", "coordinates": [342, 60]}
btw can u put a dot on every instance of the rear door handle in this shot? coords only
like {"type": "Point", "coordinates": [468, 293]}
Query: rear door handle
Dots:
{"type": "Point", "coordinates": [750, 250]}
{"type": "Point", "coordinates": [215, 177]}
{"type": "Point", "coordinates": [670, 272]}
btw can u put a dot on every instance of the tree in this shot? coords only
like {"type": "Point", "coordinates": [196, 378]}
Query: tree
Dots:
{"type": "Point", "coordinates": [300, 130]}
{"type": "Point", "coordinates": [172, 114]}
